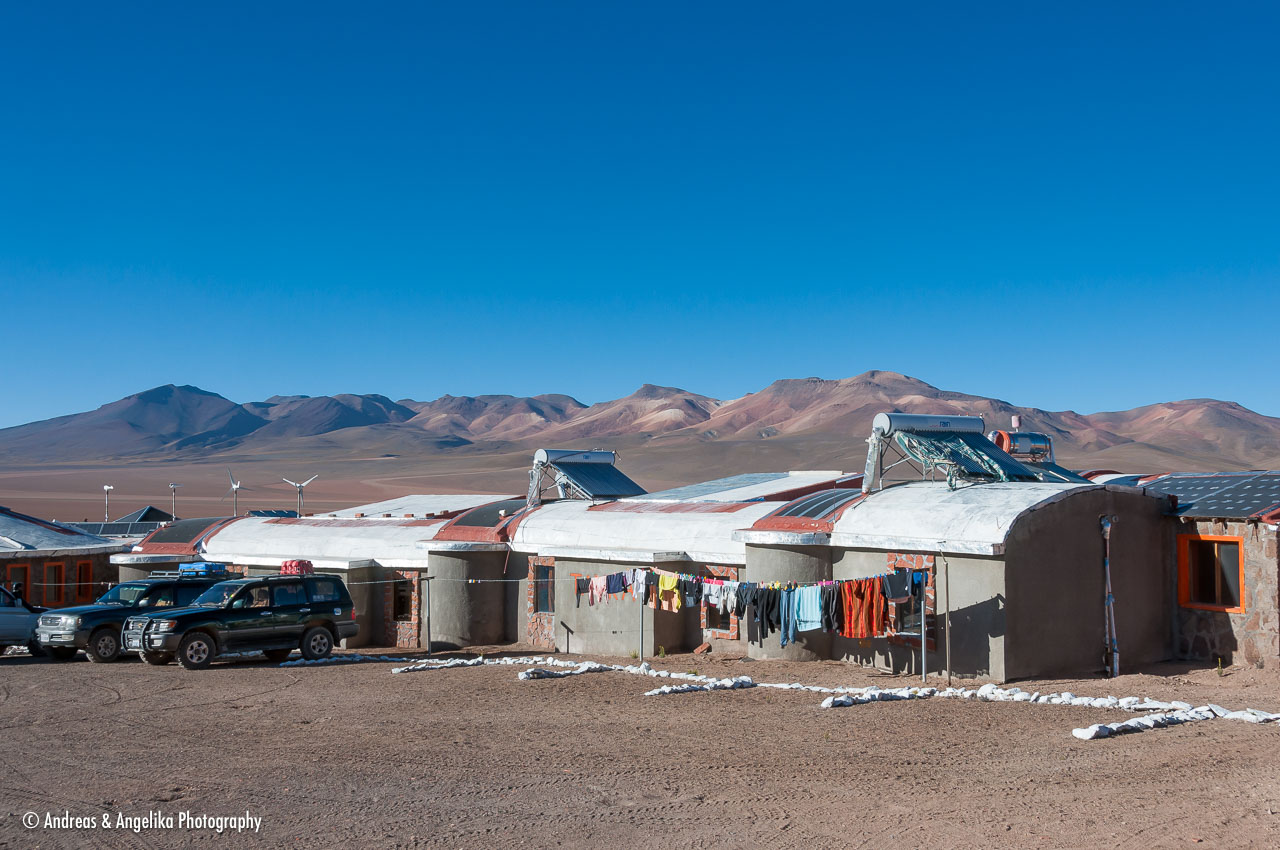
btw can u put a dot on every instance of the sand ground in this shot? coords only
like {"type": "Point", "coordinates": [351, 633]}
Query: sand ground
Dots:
{"type": "Point", "coordinates": [352, 755]}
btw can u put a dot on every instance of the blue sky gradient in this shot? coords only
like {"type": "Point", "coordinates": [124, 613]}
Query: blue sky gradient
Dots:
{"type": "Point", "coordinates": [1071, 207]}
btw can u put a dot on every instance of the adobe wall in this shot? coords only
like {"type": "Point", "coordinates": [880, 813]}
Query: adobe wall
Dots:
{"type": "Point", "coordinates": [804, 564]}
{"type": "Point", "coordinates": [1054, 609]}
{"type": "Point", "coordinates": [465, 614]}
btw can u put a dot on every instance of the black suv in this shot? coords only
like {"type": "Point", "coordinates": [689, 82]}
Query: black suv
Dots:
{"type": "Point", "coordinates": [96, 628]}
{"type": "Point", "coordinates": [273, 615]}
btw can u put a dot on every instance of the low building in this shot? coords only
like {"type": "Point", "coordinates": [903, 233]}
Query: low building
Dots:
{"type": "Point", "coordinates": [53, 564]}
{"type": "Point", "coordinates": [1226, 564]}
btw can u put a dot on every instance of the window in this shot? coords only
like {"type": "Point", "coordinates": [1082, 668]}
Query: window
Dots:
{"type": "Point", "coordinates": [544, 594]}
{"type": "Point", "coordinates": [7, 600]}
{"type": "Point", "coordinates": [289, 593]}
{"type": "Point", "coordinates": [1210, 573]}
{"type": "Point", "coordinates": [325, 590]}
{"type": "Point", "coordinates": [257, 596]}
{"type": "Point", "coordinates": [158, 597]}
{"type": "Point", "coordinates": [53, 584]}
{"type": "Point", "coordinates": [186, 594]}
{"type": "Point", "coordinates": [403, 598]}
{"type": "Point", "coordinates": [84, 581]}
{"type": "Point", "coordinates": [18, 577]}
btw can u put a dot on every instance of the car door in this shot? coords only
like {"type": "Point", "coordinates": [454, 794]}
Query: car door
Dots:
{"type": "Point", "coordinates": [247, 620]}
{"type": "Point", "coordinates": [292, 610]}
{"type": "Point", "coordinates": [14, 618]}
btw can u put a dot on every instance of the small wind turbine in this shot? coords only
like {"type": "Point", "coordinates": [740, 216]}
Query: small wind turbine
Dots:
{"type": "Point", "coordinates": [106, 502]}
{"type": "Point", "coordinates": [173, 499]}
{"type": "Point", "coordinates": [299, 488]}
{"type": "Point", "coordinates": [234, 493]}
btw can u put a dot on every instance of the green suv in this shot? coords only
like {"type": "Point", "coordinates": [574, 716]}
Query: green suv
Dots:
{"type": "Point", "coordinates": [96, 628]}
{"type": "Point", "coordinates": [270, 614]}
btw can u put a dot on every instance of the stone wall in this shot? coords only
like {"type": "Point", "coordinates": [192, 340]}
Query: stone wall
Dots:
{"type": "Point", "coordinates": [1249, 637]}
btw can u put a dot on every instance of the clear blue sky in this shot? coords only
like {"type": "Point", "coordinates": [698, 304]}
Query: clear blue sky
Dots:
{"type": "Point", "coordinates": [1069, 207]}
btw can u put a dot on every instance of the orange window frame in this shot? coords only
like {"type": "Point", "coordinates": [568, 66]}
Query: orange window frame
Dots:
{"type": "Point", "coordinates": [53, 590]}
{"type": "Point", "coordinates": [84, 581]}
{"type": "Point", "coordinates": [25, 571]}
{"type": "Point", "coordinates": [1184, 572]}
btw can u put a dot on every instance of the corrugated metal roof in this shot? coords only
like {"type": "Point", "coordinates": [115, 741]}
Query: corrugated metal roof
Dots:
{"type": "Point", "coordinates": [389, 542]}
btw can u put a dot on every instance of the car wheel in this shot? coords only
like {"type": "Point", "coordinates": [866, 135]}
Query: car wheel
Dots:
{"type": "Point", "coordinates": [104, 645]}
{"type": "Point", "coordinates": [275, 656]}
{"type": "Point", "coordinates": [317, 643]}
{"type": "Point", "coordinates": [196, 651]}
{"type": "Point", "coordinates": [34, 647]}
{"type": "Point", "coordinates": [157, 659]}
{"type": "Point", "coordinates": [61, 653]}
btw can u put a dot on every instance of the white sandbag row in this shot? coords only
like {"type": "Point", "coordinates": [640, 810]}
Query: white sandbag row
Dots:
{"type": "Point", "coordinates": [584, 667]}
{"type": "Point", "coordinates": [338, 659]}
{"type": "Point", "coordinates": [733, 684]}
{"type": "Point", "coordinates": [873, 694]}
{"type": "Point", "coordinates": [1174, 718]}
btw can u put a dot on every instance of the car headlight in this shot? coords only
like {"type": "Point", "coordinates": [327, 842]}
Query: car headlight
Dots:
{"type": "Point", "coordinates": [71, 622]}
{"type": "Point", "coordinates": [166, 625]}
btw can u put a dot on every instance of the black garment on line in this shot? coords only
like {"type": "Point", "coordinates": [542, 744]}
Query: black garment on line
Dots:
{"type": "Point", "coordinates": [580, 586]}
{"type": "Point", "coordinates": [742, 598]}
{"type": "Point", "coordinates": [897, 585]}
{"type": "Point", "coordinates": [832, 608]}
{"type": "Point", "coordinates": [691, 592]}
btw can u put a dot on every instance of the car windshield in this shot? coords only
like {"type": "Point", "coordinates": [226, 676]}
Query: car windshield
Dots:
{"type": "Point", "coordinates": [217, 596]}
{"type": "Point", "coordinates": [123, 594]}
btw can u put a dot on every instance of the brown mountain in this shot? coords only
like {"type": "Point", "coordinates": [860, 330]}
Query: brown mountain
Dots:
{"type": "Point", "coordinates": [793, 421]}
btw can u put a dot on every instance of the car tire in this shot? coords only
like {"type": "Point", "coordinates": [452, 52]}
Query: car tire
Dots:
{"type": "Point", "coordinates": [34, 647]}
{"type": "Point", "coordinates": [196, 651]}
{"type": "Point", "coordinates": [276, 656]}
{"type": "Point", "coordinates": [317, 643]}
{"type": "Point", "coordinates": [104, 646]}
{"type": "Point", "coordinates": [156, 659]}
{"type": "Point", "coordinates": [61, 653]}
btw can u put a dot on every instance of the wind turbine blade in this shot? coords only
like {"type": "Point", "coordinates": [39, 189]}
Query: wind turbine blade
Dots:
{"type": "Point", "coordinates": [232, 477]}
{"type": "Point", "coordinates": [226, 494]}
{"type": "Point", "coordinates": [308, 481]}
{"type": "Point", "coordinates": [287, 481]}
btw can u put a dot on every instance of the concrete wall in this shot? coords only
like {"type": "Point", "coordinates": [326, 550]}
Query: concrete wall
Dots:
{"type": "Point", "coordinates": [466, 614]}
{"type": "Point", "coordinates": [786, 563]}
{"type": "Point", "coordinates": [613, 627]}
{"type": "Point", "coordinates": [1054, 581]}
{"type": "Point", "coordinates": [977, 616]}
{"type": "Point", "coordinates": [1253, 636]}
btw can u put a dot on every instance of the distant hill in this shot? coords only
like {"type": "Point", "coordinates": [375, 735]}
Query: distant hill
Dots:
{"type": "Point", "coordinates": [188, 424]}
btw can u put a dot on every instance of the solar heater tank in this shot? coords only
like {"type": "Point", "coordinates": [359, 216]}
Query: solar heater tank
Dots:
{"type": "Point", "coordinates": [544, 456]}
{"type": "Point", "coordinates": [1023, 444]}
{"type": "Point", "coordinates": [887, 423]}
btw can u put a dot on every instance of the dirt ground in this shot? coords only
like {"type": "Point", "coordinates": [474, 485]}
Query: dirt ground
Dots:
{"type": "Point", "coordinates": [351, 755]}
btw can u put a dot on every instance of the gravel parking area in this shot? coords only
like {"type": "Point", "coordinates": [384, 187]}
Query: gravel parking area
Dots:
{"type": "Point", "coordinates": [350, 754]}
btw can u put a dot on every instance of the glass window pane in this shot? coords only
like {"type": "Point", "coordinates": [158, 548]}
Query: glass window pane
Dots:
{"type": "Point", "coordinates": [1229, 564]}
{"type": "Point", "coordinates": [1203, 579]}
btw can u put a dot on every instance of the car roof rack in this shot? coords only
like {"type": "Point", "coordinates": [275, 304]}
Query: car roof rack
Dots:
{"type": "Point", "coordinates": [177, 574]}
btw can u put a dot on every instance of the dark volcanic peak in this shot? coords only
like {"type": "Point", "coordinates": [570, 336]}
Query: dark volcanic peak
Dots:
{"type": "Point", "coordinates": [187, 422]}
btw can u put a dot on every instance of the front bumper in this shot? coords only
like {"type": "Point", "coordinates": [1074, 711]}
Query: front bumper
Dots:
{"type": "Point", "coordinates": [139, 641]}
{"type": "Point", "coordinates": [60, 636]}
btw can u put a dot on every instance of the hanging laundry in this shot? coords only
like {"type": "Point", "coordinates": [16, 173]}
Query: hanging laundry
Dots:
{"type": "Point", "coordinates": [651, 589]}
{"type": "Point", "coordinates": [711, 592]}
{"type": "Point", "coordinates": [897, 586]}
{"type": "Point", "coordinates": [638, 584]}
{"type": "Point", "coordinates": [832, 607]}
{"type": "Point", "coordinates": [808, 608]}
{"type": "Point", "coordinates": [691, 591]}
{"type": "Point", "coordinates": [669, 591]}
{"type": "Point", "coordinates": [615, 584]}
{"type": "Point", "coordinates": [581, 585]}
{"type": "Point", "coordinates": [787, 615]}
{"type": "Point", "coordinates": [742, 598]}
{"type": "Point", "coordinates": [864, 615]}
{"type": "Point", "coordinates": [728, 598]}
{"type": "Point", "coordinates": [599, 588]}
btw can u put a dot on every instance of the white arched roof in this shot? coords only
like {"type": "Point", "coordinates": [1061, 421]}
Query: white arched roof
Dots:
{"type": "Point", "coordinates": [927, 516]}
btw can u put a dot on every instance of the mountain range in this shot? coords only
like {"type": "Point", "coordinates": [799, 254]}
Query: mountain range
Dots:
{"type": "Point", "coordinates": [188, 424]}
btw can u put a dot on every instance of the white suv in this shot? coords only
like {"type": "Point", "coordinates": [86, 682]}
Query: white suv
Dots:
{"type": "Point", "coordinates": [17, 624]}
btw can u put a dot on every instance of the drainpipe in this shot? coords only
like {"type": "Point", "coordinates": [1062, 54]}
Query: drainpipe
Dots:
{"type": "Point", "coordinates": [1111, 652]}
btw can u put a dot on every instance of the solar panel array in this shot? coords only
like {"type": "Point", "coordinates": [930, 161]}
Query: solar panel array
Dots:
{"type": "Point", "coordinates": [599, 480]}
{"type": "Point", "coordinates": [117, 529]}
{"type": "Point", "coordinates": [486, 516]}
{"type": "Point", "coordinates": [184, 530]}
{"type": "Point", "coordinates": [1238, 495]}
{"type": "Point", "coordinates": [972, 454]}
